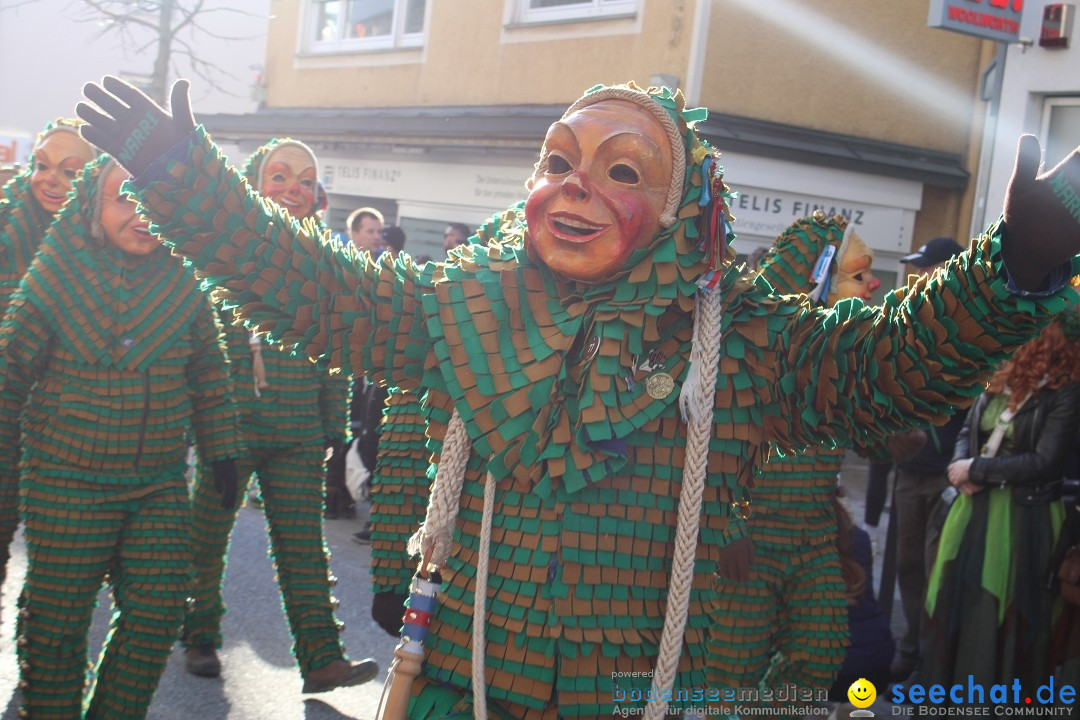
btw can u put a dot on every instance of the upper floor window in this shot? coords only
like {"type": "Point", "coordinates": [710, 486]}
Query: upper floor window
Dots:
{"type": "Point", "coordinates": [351, 25]}
{"type": "Point", "coordinates": [535, 11]}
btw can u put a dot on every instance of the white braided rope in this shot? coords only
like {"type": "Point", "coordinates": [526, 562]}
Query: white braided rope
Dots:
{"type": "Point", "coordinates": [432, 540]}
{"type": "Point", "coordinates": [696, 401]}
{"type": "Point", "coordinates": [479, 619]}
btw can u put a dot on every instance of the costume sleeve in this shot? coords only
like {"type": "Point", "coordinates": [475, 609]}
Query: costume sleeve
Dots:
{"type": "Point", "coordinates": [301, 290]}
{"type": "Point", "coordinates": [214, 420]}
{"type": "Point", "coordinates": [26, 337]}
{"type": "Point", "coordinates": [855, 374]}
{"type": "Point", "coordinates": [1045, 462]}
{"type": "Point", "coordinates": [399, 492]}
{"type": "Point", "coordinates": [25, 340]}
{"type": "Point", "coordinates": [334, 405]}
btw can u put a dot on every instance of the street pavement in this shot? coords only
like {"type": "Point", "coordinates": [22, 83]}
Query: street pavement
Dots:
{"type": "Point", "coordinates": [260, 680]}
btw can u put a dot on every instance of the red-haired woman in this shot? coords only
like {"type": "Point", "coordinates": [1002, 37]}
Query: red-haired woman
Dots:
{"type": "Point", "coordinates": [990, 616]}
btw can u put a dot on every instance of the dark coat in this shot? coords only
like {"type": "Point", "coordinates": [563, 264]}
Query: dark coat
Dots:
{"type": "Point", "coordinates": [1044, 431]}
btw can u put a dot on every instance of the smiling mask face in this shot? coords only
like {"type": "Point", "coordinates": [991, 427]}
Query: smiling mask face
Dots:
{"type": "Point", "coordinates": [289, 178]}
{"type": "Point", "coordinates": [58, 159]}
{"type": "Point", "coordinates": [601, 191]}
{"type": "Point", "coordinates": [123, 226]}
{"type": "Point", "coordinates": [853, 277]}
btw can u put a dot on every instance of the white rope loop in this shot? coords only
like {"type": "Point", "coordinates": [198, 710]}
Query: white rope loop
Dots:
{"type": "Point", "coordinates": [696, 401]}
{"type": "Point", "coordinates": [479, 640]}
{"type": "Point", "coordinates": [432, 541]}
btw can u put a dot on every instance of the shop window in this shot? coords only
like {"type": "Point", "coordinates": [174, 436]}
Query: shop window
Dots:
{"type": "Point", "coordinates": [360, 25]}
{"type": "Point", "coordinates": [540, 11]}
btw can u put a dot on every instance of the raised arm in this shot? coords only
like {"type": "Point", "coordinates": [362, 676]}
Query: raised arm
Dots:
{"type": "Point", "coordinates": [300, 289]}
{"type": "Point", "coordinates": [857, 373]}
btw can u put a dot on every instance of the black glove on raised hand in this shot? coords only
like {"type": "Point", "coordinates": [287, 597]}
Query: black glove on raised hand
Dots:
{"type": "Point", "coordinates": [1042, 215]}
{"type": "Point", "coordinates": [129, 125]}
{"type": "Point", "coordinates": [226, 481]}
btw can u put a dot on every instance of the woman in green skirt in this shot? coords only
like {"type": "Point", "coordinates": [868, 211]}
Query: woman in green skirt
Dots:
{"type": "Point", "coordinates": [990, 615]}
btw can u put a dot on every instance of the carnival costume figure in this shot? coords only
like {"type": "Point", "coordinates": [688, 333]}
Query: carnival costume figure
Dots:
{"type": "Point", "coordinates": [110, 352]}
{"type": "Point", "coordinates": [784, 631]}
{"type": "Point", "coordinates": [292, 413]}
{"type": "Point", "coordinates": [614, 381]}
{"type": "Point", "coordinates": [28, 203]}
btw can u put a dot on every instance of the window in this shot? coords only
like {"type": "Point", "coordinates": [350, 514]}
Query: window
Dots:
{"type": "Point", "coordinates": [538, 11]}
{"type": "Point", "coordinates": [1061, 127]}
{"type": "Point", "coordinates": [352, 25]}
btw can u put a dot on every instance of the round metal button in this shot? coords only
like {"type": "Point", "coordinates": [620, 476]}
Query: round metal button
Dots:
{"type": "Point", "coordinates": [659, 386]}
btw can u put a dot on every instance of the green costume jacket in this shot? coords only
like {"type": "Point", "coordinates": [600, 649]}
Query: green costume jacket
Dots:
{"type": "Point", "coordinates": [587, 463]}
{"type": "Point", "coordinates": [300, 404]}
{"type": "Point", "coordinates": [108, 358]}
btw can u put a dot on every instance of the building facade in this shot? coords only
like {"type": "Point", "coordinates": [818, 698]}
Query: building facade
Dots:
{"type": "Point", "coordinates": [1040, 94]}
{"type": "Point", "coordinates": [434, 111]}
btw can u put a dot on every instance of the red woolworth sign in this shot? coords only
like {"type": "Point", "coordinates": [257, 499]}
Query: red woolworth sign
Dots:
{"type": "Point", "coordinates": [989, 19]}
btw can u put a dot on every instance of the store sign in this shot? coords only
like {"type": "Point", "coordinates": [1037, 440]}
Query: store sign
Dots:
{"type": "Point", "coordinates": [988, 19]}
{"type": "Point", "coordinates": [759, 212]}
{"type": "Point", "coordinates": [15, 148]}
{"type": "Point", "coordinates": [766, 213]}
{"type": "Point", "coordinates": [492, 186]}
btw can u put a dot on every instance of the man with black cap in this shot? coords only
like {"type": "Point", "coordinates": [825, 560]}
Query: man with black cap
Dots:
{"type": "Point", "coordinates": [933, 255]}
{"type": "Point", "coordinates": [920, 479]}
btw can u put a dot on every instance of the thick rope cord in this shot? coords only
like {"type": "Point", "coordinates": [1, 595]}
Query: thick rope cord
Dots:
{"type": "Point", "coordinates": [696, 401]}
{"type": "Point", "coordinates": [479, 641]}
{"type": "Point", "coordinates": [432, 541]}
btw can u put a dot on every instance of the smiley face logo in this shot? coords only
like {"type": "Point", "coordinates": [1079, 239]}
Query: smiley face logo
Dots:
{"type": "Point", "coordinates": [862, 693]}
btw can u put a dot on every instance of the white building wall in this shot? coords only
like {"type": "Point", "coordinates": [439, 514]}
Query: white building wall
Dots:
{"type": "Point", "coordinates": [1032, 74]}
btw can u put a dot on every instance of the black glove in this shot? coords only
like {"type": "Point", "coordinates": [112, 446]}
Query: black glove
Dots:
{"type": "Point", "coordinates": [226, 481]}
{"type": "Point", "coordinates": [1042, 215]}
{"type": "Point", "coordinates": [130, 126]}
{"type": "Point", "coordinates": [388, 609]}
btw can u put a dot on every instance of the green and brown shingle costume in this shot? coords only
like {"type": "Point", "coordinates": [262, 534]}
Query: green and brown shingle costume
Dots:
{"type": "Point", "coordinates": [111, 358]}
{"type": "Point", "coordinates": [286, 423]}
{"type": "Point", "coordinates": [547, 377]}
{"type": "Point", "coordinates": [787, 625]}
{"type": "Point", "coordinates": [23, 223]}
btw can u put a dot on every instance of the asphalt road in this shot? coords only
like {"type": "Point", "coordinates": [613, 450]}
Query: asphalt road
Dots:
{"type": "Point", "coordinates": [260, 680]}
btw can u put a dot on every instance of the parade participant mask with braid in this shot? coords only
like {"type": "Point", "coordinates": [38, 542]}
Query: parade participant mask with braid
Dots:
{"type": "Point", "coordinates": [822, 257]}
{"type": "Point", "coordinates": [601, 190]}
{"type": "Point", "coordinates": [116, 218]}
{"type": "Point", "coordinates": [853, 276]}
{"type": "Point", "coordinates": [58, 158]}
{"type": "Point", "coordinates": [621, 176]}
{"type": "Point", "coordinates": [287, 173]}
